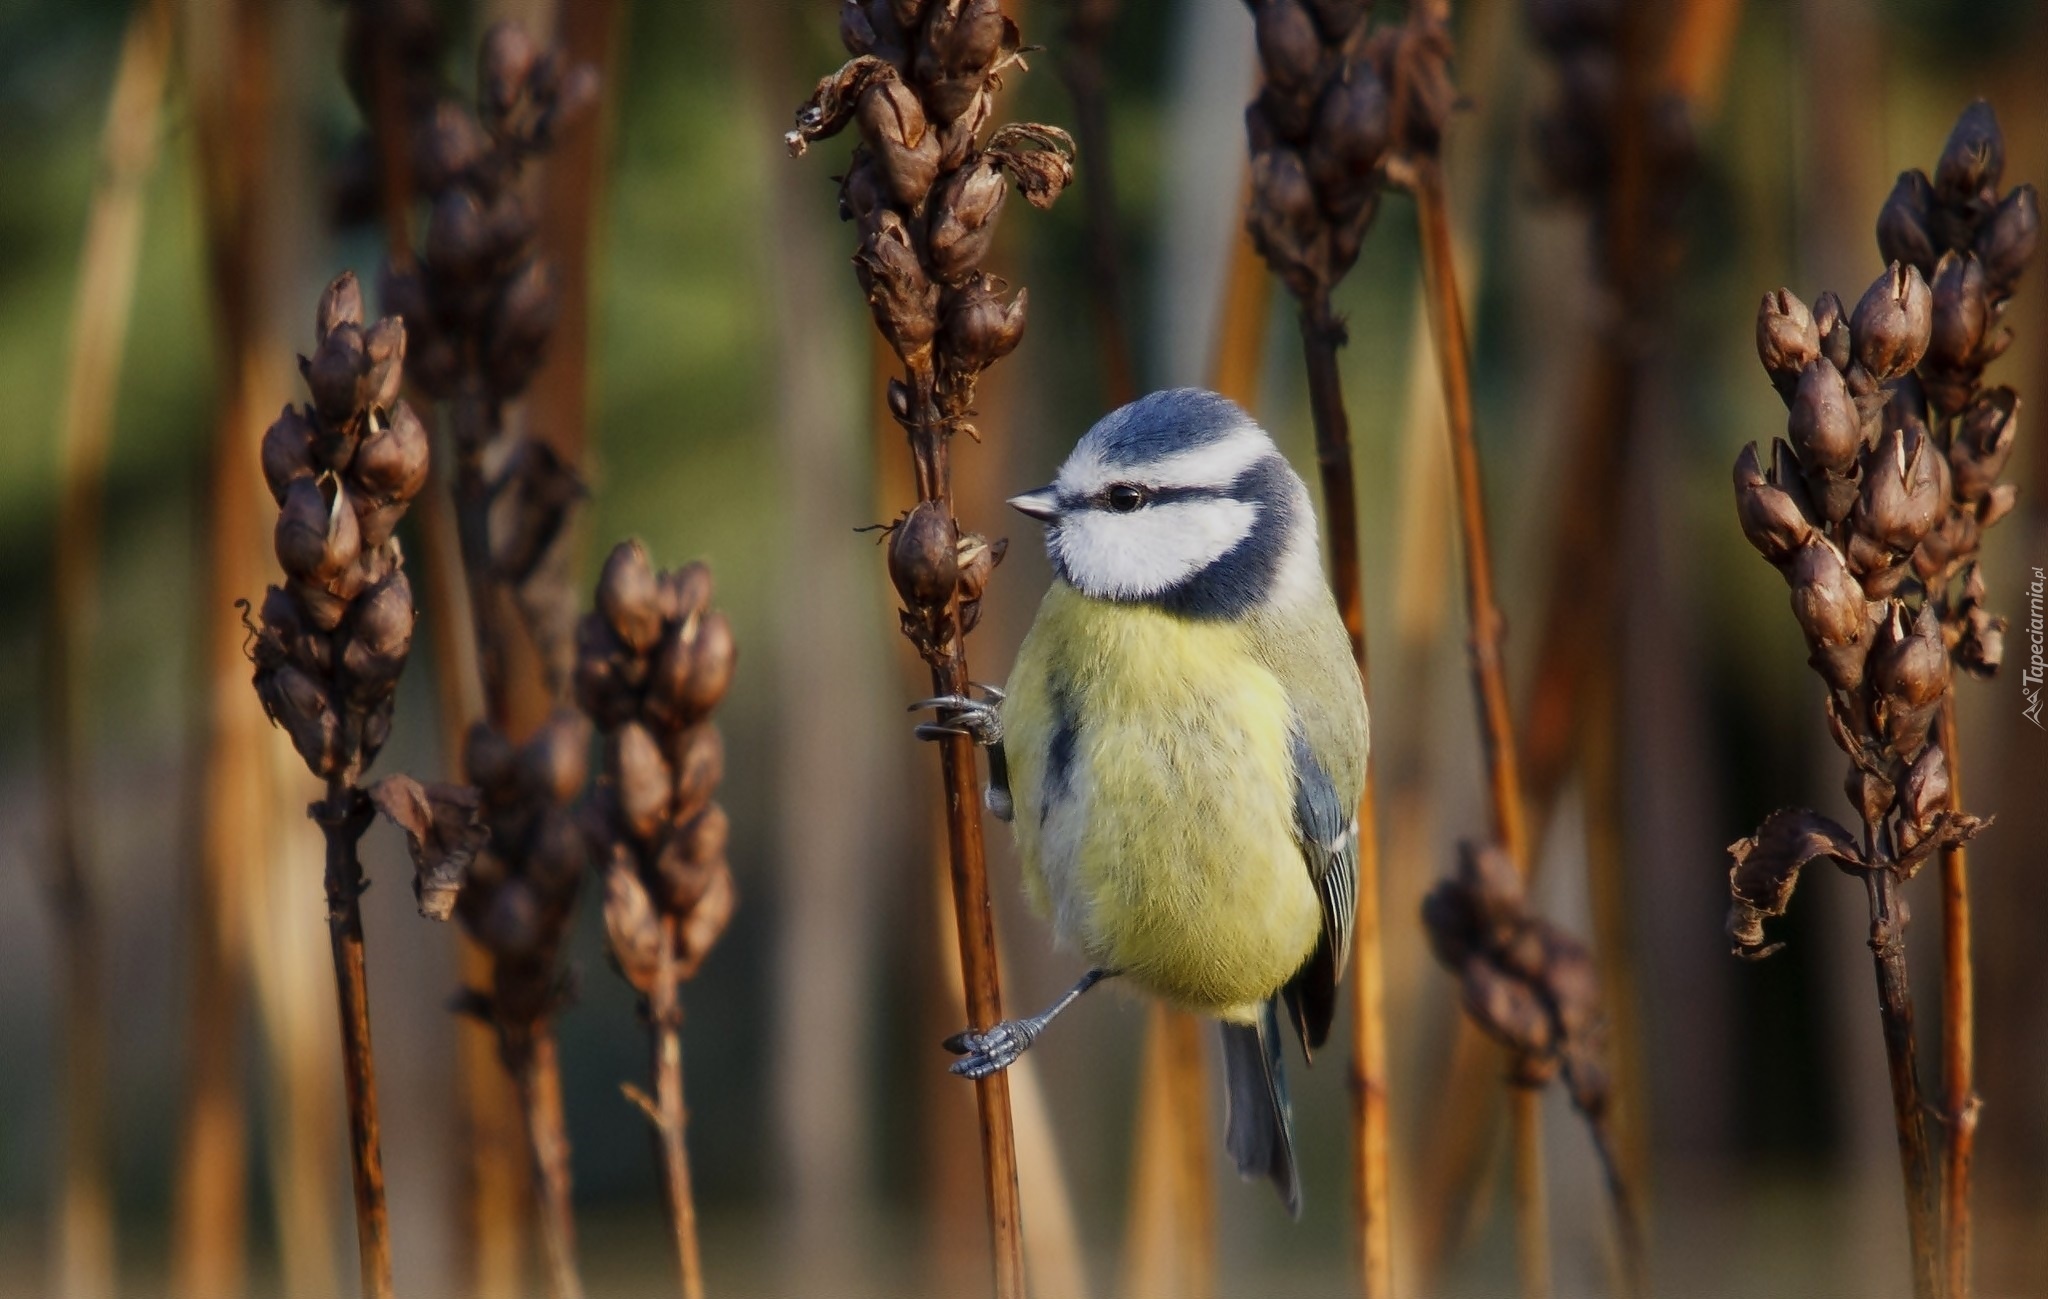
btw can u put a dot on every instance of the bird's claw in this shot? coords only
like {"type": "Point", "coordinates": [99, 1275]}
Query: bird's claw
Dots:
{"type": "Point", "coordinates": [990, 1052]}
{"type": "Point", "coordinates": [979, 719]}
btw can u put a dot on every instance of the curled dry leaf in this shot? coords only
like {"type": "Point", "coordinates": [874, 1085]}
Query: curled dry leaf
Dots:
{"type": "Point", "coordinates": [443, 830]}
{"type": "Point", "coordinates": [1765, 869]}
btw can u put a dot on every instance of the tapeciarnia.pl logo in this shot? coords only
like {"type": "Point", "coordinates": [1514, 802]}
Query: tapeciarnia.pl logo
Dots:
{"type": "Point", "coordinates": [2037, 663]}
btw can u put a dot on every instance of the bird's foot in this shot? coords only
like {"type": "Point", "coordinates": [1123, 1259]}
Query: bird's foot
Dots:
{"type": "Point", "coordinates": [997, 1049]}
{"type": "Point", "coordinates": [979, 719]}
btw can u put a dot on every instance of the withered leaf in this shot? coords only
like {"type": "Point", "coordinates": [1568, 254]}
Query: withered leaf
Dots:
{"type": "Point", "coordinates": [1765, 869]}
{"type": "Point", "coordinates": [1040, 157]}
{"type": "Point", "coordinates": [832, 104]}
{"type": "Point", "coordinates": [442, 830]}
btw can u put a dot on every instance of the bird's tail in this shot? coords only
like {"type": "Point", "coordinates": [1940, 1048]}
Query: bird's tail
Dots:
{"type": "Point", "coordinates": [1260, 1127]}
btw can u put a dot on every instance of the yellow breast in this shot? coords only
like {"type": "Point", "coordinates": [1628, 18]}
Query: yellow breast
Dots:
{"type": "Point", "coordinates": [1151, 759]}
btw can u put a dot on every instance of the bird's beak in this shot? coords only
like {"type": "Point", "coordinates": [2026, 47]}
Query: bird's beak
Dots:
{"type": "Point", "coordinates": [1041, 504]}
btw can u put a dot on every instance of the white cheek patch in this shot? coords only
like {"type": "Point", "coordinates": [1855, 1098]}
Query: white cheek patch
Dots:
{"type": "Point", "coordinates": [1216, 464]}
{"type": "Point", "coordinates": [1132, 556]}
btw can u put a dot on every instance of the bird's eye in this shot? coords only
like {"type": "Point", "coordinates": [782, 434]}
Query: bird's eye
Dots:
{"type": "Point", "coordinates": [1123, 498]}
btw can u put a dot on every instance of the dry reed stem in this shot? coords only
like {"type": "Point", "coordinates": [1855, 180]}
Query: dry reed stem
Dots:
{"type": "Point", "coordinates": [665, 1022]}
{"type": "Point", "coordinates": [1320, 335]}
{"type": "Point", "coordinates": [343, 818]}
{"type": "Point", "coordinates": [1958, 1032]}
{"type": "Point", "coordinates": [230, 85]}
{"type": "Point", "coordinates": [538, 1076]}
{"type": "Point", "coordinates": [575, 185]}
{"type": "Point", "coordinates": [85, 1249]}
{"type": "Point", "coordinates": [497, 1190]}
{"type": "Point", "coordinates": [1509, 830]}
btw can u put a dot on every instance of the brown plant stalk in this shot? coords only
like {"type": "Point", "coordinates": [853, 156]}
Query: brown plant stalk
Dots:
{"type": "Point", "coordinates": [653, 660]}
{"type": "Point", "coordinates": [1320, 133]}
{"type": "Point", "coordinates": [1422, 173]}
{"type": "Point", "coordinates": [85, 1254]}
{"type": "Point", "coordinates": [926, 186]}
{"type": "Point", "coordinates": [395, 50]}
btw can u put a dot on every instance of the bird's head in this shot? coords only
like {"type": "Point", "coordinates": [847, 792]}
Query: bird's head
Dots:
{"type": "Point", "coordinates": [1180, 500]}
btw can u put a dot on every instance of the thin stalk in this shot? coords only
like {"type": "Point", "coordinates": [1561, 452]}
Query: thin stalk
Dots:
{"type": "Point", "coordinates": [343, 818]}
{"type": "Point", "coordinates": [1531, 1198]}
{"type": "Point", "coordinates": [974, 919]}
{"type": "Point", "coordinates": [98, 340]}
{"type": "Point", "coordinates": [665, 1024]}
{"type": "Point", "coordinates": [1627, 1217]}
{"type": "Point", "coordinates": [533, 1063]}
{"type": "Point", "coordinates": [1895, 1008]}
{"type": "Point", "coordinates": [1320, 337]}
{"type": "Point", "coordinates": [1504, 791]}
{"type": "Point", "coordinates": [495, 1189]}
{"type": "Point", "coordinates": [1958, 1032]}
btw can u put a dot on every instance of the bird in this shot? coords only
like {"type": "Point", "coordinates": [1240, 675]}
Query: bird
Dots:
{"type": "Point", "coordinates": [1181, 747]}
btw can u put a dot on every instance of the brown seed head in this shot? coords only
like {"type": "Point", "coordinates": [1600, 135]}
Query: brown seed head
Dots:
{"type": "Point", "coordinates": [1903, 233]}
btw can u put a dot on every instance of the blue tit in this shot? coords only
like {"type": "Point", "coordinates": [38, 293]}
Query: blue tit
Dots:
{"type": "Point", "coordinates": [1183, 739]}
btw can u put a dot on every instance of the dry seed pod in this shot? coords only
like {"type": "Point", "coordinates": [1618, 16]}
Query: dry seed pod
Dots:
{"type": "Point", "coordinates": [489, 760]}
{"type": "Point", "coordinates": [1771, 519]}
{"type": "Point", "coordinates": [1892, 322]}
{"type": "Point", "coordinates": [923, 557]}
{"type": "Point", "coordinates": [711, 665]}
{"type": "Point", "coordinates": [1973, 160]}
{"type": "Point", "coordinates": [631, 926]}
{"type": "Point", "coordinates": [641, 777]}
{"type": "Point", "coordinates": [1787, 340]}
{"type": "Point", "coordinates": [555, 764]}
{"type": "Point", "coordinates": [698, 758]}
{"type": "Point", "coordinates": [317, 537]}
{"type": "Point", "coordinates": [1903, 233]}
{"type": "Point", "coordinates": [391, 464]}
{"type": "Point", "coordinates": [1905, 491]}
{"type": "Point", "coordinates": [288, 452]}
{"type": "Point", "coordinates": [1823, 425]}
{"type": "Point", "coordinates": [705, 922]}
{"type": "Point", "coordinates": [1960, 310]}
{"type": "Point", "coordinates": [1982, 442]}
{"type": "Point", "coordinates": [629, 598]}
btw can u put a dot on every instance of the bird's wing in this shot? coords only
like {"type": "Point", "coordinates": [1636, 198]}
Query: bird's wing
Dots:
{"type": "Point", "coordinates": [1327, 826]}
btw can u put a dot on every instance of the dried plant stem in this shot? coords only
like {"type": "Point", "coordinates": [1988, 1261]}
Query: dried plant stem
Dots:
{"type": "Point", "coordinates": [1320, 336]}
{"type": "Point", "coordinates": [1895, 1009]}
{"type": "Point", "coordinates": [343, 818]}
{"type": "Point", "coordinates": [534, 1065]}
{"type": "Point", "coordinates": [974, 920]}
{"type": "Point", "coordinates": [85, 1263]}
{"type": "Point", "coordinates": [665, 1024]}
{"type": "Point", "coordinates": [1627, 1217]}
{"type": "Point", "coordinates": [495, 1183]}
{"type": "Point", "coordinates": [1447, 320]}
{"type": "Point", "coordinates": [1531, 1199]}
{"type": "Point", "coordinates": [1958, 1032]}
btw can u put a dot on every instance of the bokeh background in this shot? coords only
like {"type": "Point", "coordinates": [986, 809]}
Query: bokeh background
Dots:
{"type": "Point", "coordinates": [731, 415]}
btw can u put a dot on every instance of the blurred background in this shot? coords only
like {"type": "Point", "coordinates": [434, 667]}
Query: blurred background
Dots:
{"type": "Point", "coordinates": [727, 410]}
